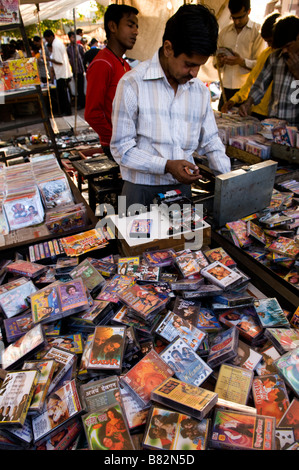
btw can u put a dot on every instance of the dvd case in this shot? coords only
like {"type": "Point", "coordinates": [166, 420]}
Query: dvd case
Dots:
{"type": "Point", "coordinates": [106, 429]}
{"type": "Point", "coordinates": [247, 357]}
{"type": "Point", "coordinates": [172, 326]}
{"type": "Point", "coordinates": [60, 407]}
{"type": "Point", "coordinates": [27, 345]}
{"type": "Point", "coordinates": [46, 371]}
{"type": "Point", "coordinates": [16, 393]}
{"type": "Point", "coordinates": [186, 364]}
{"type": "Point", "coordinates": [65, 361]}
{"type": "Point", "coordinates": [270, 313]}
{"type": "Point", "coordinates": [16, 301]}
{"type": "Point", "coordinates": [107, 349]}
{"type": "Point", "coordinates": [17, 326]}
{"type": "Point", "coordinates": [223, 347]}
{"type": "Point", "coordinates": [221, 275]}
{"type": "Point", "coordinates": [169, 430]}
{"type": "Point", "coordinates": [245, 320]}
{"type": "Point", "coordinates": [284, 339]}
{"type": "Point", "coordinates": [147, 374]}
{"type": "Point", "coordinates": [270, 396]}
{"type": "Point", "coordinates": [185, 398]}
{"type": "Point", "coordinates": [287, 366]}
{"type": "Point", "coordinates": [233, 430]}
{"type": "Point", "coordinates": [26, 268]}
{"type": "Point", "coordinates": [234, 383]}
{"type": "Point", "coordinates": [98, 393]}
{"type": "Point", "coordinates": [92, 279]}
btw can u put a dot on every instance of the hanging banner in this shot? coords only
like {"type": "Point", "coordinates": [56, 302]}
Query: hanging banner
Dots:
{"type": "Point", "coordinates": [9, 12]}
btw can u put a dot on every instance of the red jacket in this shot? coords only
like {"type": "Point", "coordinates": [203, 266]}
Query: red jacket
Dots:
{"type": "Point", "coordinates": [103, 75]}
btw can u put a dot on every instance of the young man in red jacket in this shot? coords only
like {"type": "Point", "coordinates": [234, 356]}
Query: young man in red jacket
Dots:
{"type": "Point", "coordinates": [105, 71]}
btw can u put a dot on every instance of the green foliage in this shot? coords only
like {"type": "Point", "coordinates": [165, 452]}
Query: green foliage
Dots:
{"type": "Point", "coordinates": [99, 12]}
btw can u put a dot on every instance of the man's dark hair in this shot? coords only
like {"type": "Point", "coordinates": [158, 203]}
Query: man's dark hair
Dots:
{"type": "Point", "coordinates": [268, 25]}
{"type": "Point", "coordinates": [286, 29]}
{"type": "Point", "coordinates": [48, 33]}
{"type": "Point", "coordinates": [193, 29]}
{"type": "Point", "coordinates": [93, 41]}
{"type": "Point", "coordinates": [235, 6]}
{"type": "Point", "coordinates": [79, 31]}
{"type": "Point", "coordinates": [70, 34]}
{"type": "Point", "coordinates": [116, 13]}
{"type": "Point", "coordinates": [36, 38]}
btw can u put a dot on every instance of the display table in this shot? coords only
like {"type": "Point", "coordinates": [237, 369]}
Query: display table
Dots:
{"type": "Point", "coordinates": [159, 238]}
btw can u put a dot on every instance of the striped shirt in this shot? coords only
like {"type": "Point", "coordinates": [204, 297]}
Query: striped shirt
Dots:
{"type": "Point", "coordinates": [152, 124]}
{"type": "Point", "coordinates": [282, 103]}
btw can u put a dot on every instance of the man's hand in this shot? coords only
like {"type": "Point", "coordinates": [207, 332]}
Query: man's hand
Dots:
{"type": "Point", "coordinates": [235, 59]}
{"type": "Point", "coordinates": [293, 64]}
{"type": "Point", "coordinates": [227, 106]}
{"type": "Point", "coordinates": [220, 60]}
{"type": "Point", "coordinates": [182, 170]}
{"type": "Point", "coordinates": [244, 109]}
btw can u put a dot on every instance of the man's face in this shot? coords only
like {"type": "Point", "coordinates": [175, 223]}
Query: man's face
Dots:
{"type": "Point", "coordinates": [183, 68]}
{"type": "Point", "coordinates": [49, 39]}
{"type": "Point", "coordinates": [240, 19]}
{"type": "Point", "coordinates": [291, 47]}
{"type": "Point", "coordinates": [127, 30]}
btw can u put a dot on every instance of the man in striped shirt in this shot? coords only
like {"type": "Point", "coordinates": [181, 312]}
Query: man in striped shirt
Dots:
{"type": "Point", "coordinates": [162, 113]}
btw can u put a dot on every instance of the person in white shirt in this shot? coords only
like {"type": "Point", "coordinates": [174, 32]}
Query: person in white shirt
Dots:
{"type": "Point", "coordinates": [62, 69]}
{"type": "Point", "coordinates": [162, 112]}
{"type": "Point", "coordinates": [242, 37]}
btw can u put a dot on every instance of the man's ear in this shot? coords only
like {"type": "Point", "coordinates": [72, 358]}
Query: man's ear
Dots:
{"type": "Point", "coordinates": [167, 48]}
{"type": "Point", "coordinates": [112, 26]}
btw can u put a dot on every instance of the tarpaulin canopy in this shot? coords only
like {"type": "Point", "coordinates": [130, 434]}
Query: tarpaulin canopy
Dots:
{"type": "Point", "coordinates": [49, 9]}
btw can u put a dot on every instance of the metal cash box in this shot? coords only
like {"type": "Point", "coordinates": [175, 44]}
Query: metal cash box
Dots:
{"type": "Point", "coordinates": [244, 191]}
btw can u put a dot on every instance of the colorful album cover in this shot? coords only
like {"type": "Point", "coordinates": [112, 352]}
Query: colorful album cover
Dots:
{"type": "Point", "coordinates": [72, 342]}
{"type": "Point", "coordinates": [270, 396]}
{"type": "Point", "coordinates": [294, 321]}
{"type": "Point", "coordinates": [201, 258]}
{"type": "Point", "coordinates": [24, 211]}
{"type": "Point", "coordinates": [256, 231]}
{"type": "Point", "coordinates": [16, 394]}
{"type": "Point", "coordinates": [223, 347]}
{"type": "Point", "coordinates": [89, 275]}
{"type": "Point", "coordinates": [241, 431]}
{"type": "Point", "coordinates": [60, 407]}
{"type": "Point", "coordinates": [187, 264]}
{"type": "Point", "coordinates": [98, 393]}
{"type": "Point", "coordinates": [94, 314]}
{"type": "Point", "coordinates": [26, 268]}
{"type": "Point", "coordinates": [121, 316]}
{"type": "Point", "coordinates": [270, 313]}
{"type": "Point", "coordinates": [207, 320]}
{"type": "Point", "coordinates": [159, 257]}
{"type": "Point", "coordinates": [143, 300]}
{"type": "Point", "coordinates": [219, 254]}
{"type": "Point", "coordinates": [290, 418]}
{"type": "Point", "coordinates": [185, 363]}
{"type": "Point", "coordinates": [146, 375]}
{"type": "Point", "coordinates": [173, 326]}
{"type": "Point", "coordinates": [168, 430]}
{"type": "Point", "coordinates": [284, 339]}
{"type": "Point", "coordinates": [23, 347]}
{"type": "Point", "coordinates": [187, 309]}
{"type": "Point", "coordinates": [72, 296]}
{"type": "Point", "coordinates": [244, 319]}
{"type": "Point", "coordinates": [141, 228]}
{"type": "Point", "coordinates": [144, 272]}
{"type": "Point", "coordinates": [107, 348]}
{"type": "Point", "coordinates": [82, 368]}
{"type": "Point", "coordinates": [76, 245]}
{"type": "Point", "coordinates": [184, 397]}
{"type": "Point", "coordinates": [15, 301]}
{"type": "Point", "coordinates": [128, 266]}
{"type": "Point", "coordinates": [285, 246]}
{"type": "Point", "coordinates": [234, 383]}
{"type": "Point", "coordinates": [65, 360]}
{"type": "Point", "coordinates": [46, 371]}
{"type": "Point", "coordinates": [107, 429]}
{"type": "Point", "coordinates": [56, 192]}
{"type": "Point", "coordinates": [45, 305]}
{"type": "Point", "coordinates": [17, 326]}
{"type": "Point", "coordinates": [288, 368]}
{"type": "Point", "coordinates": [111, 290]}
{"type": "Point", "coordinates": [221, 275]}
{"type": "Point", "coordinates": [239, 230]}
